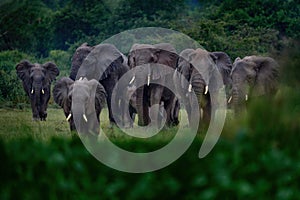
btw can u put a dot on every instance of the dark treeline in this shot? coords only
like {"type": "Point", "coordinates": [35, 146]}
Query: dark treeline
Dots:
{"type": "Point", "coordinates": [42, 30]}
{"type": "Point", "coordinates": [38, 26]}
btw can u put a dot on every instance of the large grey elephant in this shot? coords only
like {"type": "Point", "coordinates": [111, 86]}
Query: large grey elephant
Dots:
{"type": "Point", "coordinates": [152, 94]}
{"type": "Point", "coordinates": [253, 76]}
{"type": "Point", "coordinates": [36, 79]}
{"type": "Point", "coordinates": [103, 62]}
{"type": "Point", "coordinates": [205, 73]}
{"type": "Point", "coordinates": [63, 93]}
{"type": "Point", "coordinates": [197, 67]}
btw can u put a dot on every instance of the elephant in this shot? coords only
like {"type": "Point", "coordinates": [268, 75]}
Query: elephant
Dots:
{"type": "Point", "coordinates": [63, 94]}
{"type": "Point", "coordinates": [36, 79]}
{"type": "Point", "coordinates": [205, 82]}
{"type": "Point", "coordinates": [253, 76]}
{"type": "Point", "coordinates": [151, 94]}
{"type": "Point", "coordinates": [104, 59]}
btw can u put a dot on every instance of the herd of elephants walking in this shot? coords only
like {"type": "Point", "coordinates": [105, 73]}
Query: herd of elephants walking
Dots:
{"type": "Point", "coordinates": [96, 70]}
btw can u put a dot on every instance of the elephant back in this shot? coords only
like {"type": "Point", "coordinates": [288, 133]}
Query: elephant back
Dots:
{"type": "Point", "coordinates": [103, 60]}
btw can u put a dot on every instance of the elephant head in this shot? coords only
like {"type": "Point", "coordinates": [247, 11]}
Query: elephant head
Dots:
{"type": "Point", "coordinates": [162, 53]}
{"type": "Point", "coordinates": [36, 79]}
{"type": "Point", "coordinates": [77, 99]}
{"type": "Point", "coordinates": [253, 76]}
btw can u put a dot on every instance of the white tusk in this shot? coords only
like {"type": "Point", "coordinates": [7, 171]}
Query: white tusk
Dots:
{"type": "Point", "coordinates": [84, 117]}
{"type": "Point", "coordinates": [43, 92]}
{"type": "Point", "coordinates": [80, 79]}
{"type": "Point", "coordinates": [131, 81]}
{"type": "Point", "coordinates": [229, 100]}
{"type": "Point", "coordinates": [246, 97]}
{"type": "Point", "coordinates": [206, 89]}
{"type": "Point", "coordinates": [69, 116]}
{"type": "Point", "coordinates": [148, 83]}
{"type": "Point", "coordinates": [190, 88]}
{"type": "Point", "coordinates": [32, 91]}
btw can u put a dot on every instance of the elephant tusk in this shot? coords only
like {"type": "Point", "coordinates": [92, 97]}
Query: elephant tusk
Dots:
{"type": "Point", "coordinates": [246, 97]}
{"type": "Point", "coordinates": [85, 118]}
{"type": "Point", "coordinates": [131, 81]}
{"type": "Point", "coordinates": [32, 91]}
{"type": "Point", "coordinates": [206, 89]}
{"type": "Point", "coordinates": [148, 82]}
{"type": "Point", "coordinates": [69, 116]}
{"type": "Point", "coordinates": [190, 88]}
{"type": "Point", "coordinates": [80, 79]}
{"type": "Point", "coordinates": [229, 100]}
{"type": "Point", "coordinates": [43, 92]}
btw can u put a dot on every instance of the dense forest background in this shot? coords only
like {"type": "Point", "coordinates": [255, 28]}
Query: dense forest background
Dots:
{"type": "Point", "coordinates": [42, 30]}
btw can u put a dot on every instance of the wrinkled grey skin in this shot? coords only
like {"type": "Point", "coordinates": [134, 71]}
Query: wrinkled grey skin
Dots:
{"type": "Point", "coordinates": [36, 79]}
{"type": "Point", "coordinates": [253, 76]}
{"type": "Point", "coordinates": [107, 56]}
{"type": "Point", "coordinates": [198, 80]}
{"type": "Point", "coordinates": [154, 94]}
{"type": "Point", "coordinates": [63, 94]}
{"type": "Point", "coordinates": [224, 65]}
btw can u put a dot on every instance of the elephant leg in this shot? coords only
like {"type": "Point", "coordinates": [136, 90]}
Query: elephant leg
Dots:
{"type": "Point", "coordinates": [142, 106]}
{"type": "Point", "coordinates": [175, 111]}
{"type": "Point", "coordinates": [207, 112]}
{"type": "Point", "coordinates": [168, 108]}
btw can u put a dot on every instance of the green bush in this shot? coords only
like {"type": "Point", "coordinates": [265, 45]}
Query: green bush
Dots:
{"type": "Point", "coordinates": [11, 89]}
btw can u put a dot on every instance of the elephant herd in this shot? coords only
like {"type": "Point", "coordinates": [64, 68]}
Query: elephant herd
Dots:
{"type": "Point", "coordinates": [97, 70]}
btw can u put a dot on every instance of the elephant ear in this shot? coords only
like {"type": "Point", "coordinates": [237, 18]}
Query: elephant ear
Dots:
{"type": "Point", "coordinates": [101, 62]}
{"type": "Point", "coordinates": [224, 65]}
{"type": "Point", "coordinates": [80, 54]}
{"type": "Point", "coordinates": [61, 91]}
{"type": "Point", "coordinates": [51, 71]}
{"type": "Point", "coordinates": [167, 54]}
{"type": "Point", "coordinates": [23, 70]}
{"type": "Point", "coordinates": [267, 75]}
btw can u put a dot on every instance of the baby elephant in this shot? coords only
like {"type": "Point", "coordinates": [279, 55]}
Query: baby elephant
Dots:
{"type": "Point", "coordinates": [80, 93]}
{"type": "Point", "coordinates": [36, 79]}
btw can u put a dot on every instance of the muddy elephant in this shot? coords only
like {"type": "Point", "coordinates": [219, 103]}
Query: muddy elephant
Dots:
{"type": "Point", "coordinates": [253, 76]}
{"type": "Point", "coordinates": [151, 57]}
{"type": "Point", "coordinates": [103, 62]}
{"type": "Point", "coordinates": [64, 93]}
{"type": "Point", "coordinates": [36, 79]}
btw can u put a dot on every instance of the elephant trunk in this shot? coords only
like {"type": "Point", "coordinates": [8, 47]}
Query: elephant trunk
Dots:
{"type": "Point", "coordinates": [237, 100]}
{"type": "Point", "coordinates": [36, 100]}
{"type": "Point", "coordinates": [142, 107]}
{"type": "Point", "coordinates": [198, 85]}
